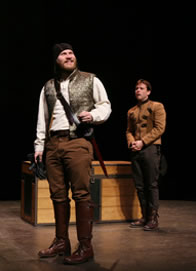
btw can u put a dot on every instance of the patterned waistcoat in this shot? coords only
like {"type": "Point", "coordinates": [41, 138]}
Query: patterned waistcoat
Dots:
{"type": "Point", "coordinates": [80, 95]}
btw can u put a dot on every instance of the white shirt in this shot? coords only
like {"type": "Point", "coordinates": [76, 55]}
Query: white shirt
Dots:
{"type": "Point", "coordinates": [100, 112]}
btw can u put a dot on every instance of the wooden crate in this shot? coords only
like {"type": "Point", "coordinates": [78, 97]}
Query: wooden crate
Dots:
{"type": "Point", "coordinates": [115, 196]}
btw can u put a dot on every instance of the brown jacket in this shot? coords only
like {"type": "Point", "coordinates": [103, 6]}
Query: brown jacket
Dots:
{"type": "Point", "coordinates": [146, 122]}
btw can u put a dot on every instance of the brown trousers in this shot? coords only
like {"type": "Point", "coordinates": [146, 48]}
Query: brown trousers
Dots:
{"type": "Point", "coordinates": [68, 164]}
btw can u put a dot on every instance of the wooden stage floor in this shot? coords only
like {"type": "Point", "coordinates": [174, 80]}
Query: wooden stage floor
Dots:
{"type": "Point", "coordinates": [116, 246]}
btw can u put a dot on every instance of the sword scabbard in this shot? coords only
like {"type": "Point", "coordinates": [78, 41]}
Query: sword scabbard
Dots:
{"type": "Point", "coordinates": [99, 156]}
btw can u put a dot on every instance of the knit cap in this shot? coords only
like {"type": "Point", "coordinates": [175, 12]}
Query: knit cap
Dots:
{"type": "Point", "coordinates": [59, 47]}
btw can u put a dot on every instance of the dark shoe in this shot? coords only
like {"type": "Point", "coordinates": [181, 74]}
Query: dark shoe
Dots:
{"type": "Point", "coordinates": [152, 222]}
{"type": "Point", "coordinates": [58, 247]}
{"type": "Point", "coordinates": [81, 255]}
{"type": "Point", "coordinates": [138, 223]}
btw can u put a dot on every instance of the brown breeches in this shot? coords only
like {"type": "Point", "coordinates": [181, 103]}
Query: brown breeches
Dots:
{"type": "Point", "coordinates": [68, 164]}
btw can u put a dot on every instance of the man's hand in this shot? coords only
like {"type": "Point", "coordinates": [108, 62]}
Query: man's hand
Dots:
{"type": "Point", "coordinates": [38, 154]}
{"type": "Point", "coordinates": [85, 116]}
{"type": "Point", "coordinates": [137, 145]}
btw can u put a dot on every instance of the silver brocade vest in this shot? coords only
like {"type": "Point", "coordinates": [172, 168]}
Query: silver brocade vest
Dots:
{"type": "Point", "coordinates": [80, 95]}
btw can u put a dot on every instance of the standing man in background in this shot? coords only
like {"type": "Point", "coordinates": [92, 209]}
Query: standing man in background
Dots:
{"type": "Point", "coordinates": [145, 124]}
{"type": "Point", "coordinates": [69, 154]}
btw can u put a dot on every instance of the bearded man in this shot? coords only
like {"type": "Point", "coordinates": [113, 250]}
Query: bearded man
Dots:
{"type": "Point", "coordinates": [68, 153]}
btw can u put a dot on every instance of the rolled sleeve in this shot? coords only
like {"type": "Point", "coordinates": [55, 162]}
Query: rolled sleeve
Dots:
{"type": "Point", "coordinates": [41, 123]}
{"type": "Point", "coordinates": [102, 107]}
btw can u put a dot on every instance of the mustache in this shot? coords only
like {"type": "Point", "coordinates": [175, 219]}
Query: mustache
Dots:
{"type": "Point", "coordinates": [69, 60]}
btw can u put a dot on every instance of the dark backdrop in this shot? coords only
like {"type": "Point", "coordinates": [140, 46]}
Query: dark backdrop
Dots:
{"type": "Point", "coordinates": [119, 45]}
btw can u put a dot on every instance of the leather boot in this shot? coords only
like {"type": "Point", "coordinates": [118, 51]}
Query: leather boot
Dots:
{"type": "Point", "coordinates": [140, 222]}
{"type": "Point", "coordinates": [152, 223]}
{"type": "Point", "coordinates": [84, 223]}
{"type": "Point", "coordinates": [61, 244]}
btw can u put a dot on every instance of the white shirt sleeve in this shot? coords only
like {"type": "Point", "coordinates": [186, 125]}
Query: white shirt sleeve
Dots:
{"type": "Point", "coordinates": [42, 122]}
{"type": "Point", "coordinates": [102, 105]}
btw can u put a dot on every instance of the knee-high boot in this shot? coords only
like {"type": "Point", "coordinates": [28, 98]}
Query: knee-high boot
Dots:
{"type": "Point", "coordinates": [61, 243]}
{"type": "Point", "coordinates": [84, 224]}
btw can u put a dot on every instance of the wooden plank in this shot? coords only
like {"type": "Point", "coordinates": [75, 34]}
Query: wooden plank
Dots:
{"type": "Point", "coordinates": [46, 216]}
{"type": "Point", "coordinates": [117, 190]}
{"type": "Point", "coordinates": [73, 215]}
{"type": "Point", "coordinates": [97, 163]}
{"type": "Point", "coordinates": [119, 213]}
{"type": "Point", "coordinates": [72, 204]}
{"type": "Point", "coordinates": [41, 184]}
{"type": "Point", "coordinates": [33, 210]}
{"type": "Point", "coordinates": [113, 170]}
{"type": "Point", "coordinates": [118, 187]}
{"type": "Point", "coordinates": [45, 202]}
{"type": "Point", "coordinates": [43, 193]}
{"type": "Point", "coordinates": [119, 201]}
{"type": "Point", "coordinates": [118, 182]}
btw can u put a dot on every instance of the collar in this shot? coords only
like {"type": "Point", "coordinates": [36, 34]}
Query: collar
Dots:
{"type": "Point", "coordinates": [147, 100]}
{"type": "Point", "coordinates": [70, 76]}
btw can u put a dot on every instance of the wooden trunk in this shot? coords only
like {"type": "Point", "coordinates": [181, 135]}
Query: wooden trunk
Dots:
{"type": "Point", "coordinates": [115, 197]}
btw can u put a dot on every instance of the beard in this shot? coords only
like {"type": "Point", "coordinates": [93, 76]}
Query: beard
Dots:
{"type": "Point", "coordinates": [65, 69]}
